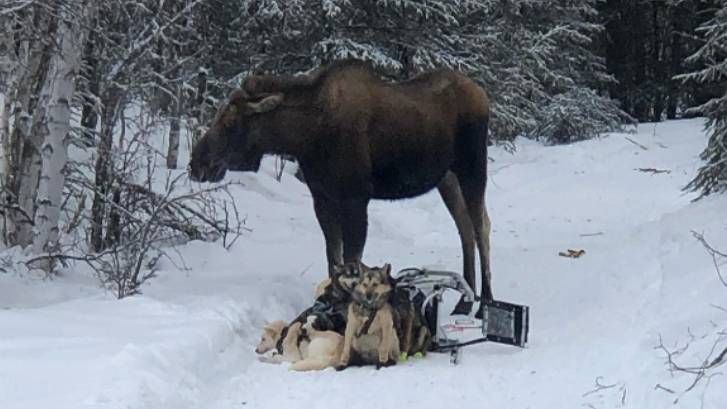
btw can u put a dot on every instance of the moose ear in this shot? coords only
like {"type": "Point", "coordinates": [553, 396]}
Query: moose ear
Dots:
{"type": "Point", "coordinates": [266, 104]}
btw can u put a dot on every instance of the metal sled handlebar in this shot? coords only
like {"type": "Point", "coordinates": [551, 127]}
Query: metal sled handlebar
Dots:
{"type": "Point", "coordinates": [422, 278]}
{"type": "Point", "coordinates": [501, 322]}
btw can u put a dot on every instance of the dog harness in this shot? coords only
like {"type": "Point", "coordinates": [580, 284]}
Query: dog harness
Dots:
{"type": "Point", "coordinates": [365, 328]}
{"type": "Point", "coordinates": [284, 333]}
{"type": "Point", "coordinates": [279, 344]}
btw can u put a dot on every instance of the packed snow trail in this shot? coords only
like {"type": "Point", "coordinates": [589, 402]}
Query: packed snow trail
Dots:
{"type": "Point", "coordinates": [188, 341]}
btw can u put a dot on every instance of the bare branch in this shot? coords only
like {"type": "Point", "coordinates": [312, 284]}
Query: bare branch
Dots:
{"type": "Point", "coordinates": [715, 254]}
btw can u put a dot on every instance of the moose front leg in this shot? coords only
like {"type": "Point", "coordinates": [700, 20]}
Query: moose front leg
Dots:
{"type": "Point", "coordinates": [354, 223]}
{"type": "Point", "coordinates": [327, 213]}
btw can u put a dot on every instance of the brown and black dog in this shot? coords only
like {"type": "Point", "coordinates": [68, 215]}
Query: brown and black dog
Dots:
{"type": "Point", "coordinates": [370, 335]}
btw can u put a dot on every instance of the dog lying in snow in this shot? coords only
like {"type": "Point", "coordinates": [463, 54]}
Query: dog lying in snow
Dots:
{"type": "Point", "coordinates": [307, 348]}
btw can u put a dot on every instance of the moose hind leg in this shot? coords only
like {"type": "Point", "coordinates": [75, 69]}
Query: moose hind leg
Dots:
{"type": "Point", "coordinates": [452, 196]}
{"type": "Point", "coordinates": [473, 182]}
{"type": "Point", "coordinates": [474, 196]}
{"type": "Point", "coordinates": [483, 245]}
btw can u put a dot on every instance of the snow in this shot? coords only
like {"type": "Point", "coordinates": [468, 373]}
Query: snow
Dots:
{"type": "Point", "coordinates": [188, 341]}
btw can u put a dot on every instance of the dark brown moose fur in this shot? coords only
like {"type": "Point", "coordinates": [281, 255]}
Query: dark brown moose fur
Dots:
{"type": "Point", "coordinates": [358, 137]}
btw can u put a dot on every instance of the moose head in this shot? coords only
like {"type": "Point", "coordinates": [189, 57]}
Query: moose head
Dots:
{"type": "Point", "coordinates": [233, 140]}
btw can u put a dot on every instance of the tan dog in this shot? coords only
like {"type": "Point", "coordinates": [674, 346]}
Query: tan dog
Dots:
{"type": "Point", "coordinates": [305, 347]}
{"type": "Point", "coordinates": [370, 336]}
{"type": "Point", "coordinates": [321, 287]}
{"type": "Point", "coordinates": [324, 349]}
{"type": "Point", "coordinates": [285, 342]}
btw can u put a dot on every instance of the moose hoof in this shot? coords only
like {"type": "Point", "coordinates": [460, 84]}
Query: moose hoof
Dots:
{"type": "Point", "coordinates": [478, 314]}
{"type": "Point", "coordinates": [462, 308]}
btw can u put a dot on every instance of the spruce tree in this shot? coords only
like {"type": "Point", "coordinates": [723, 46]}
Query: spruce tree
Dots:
{"type": "Point", "coordinates": [712, 176]}
{"type": "Point", "coordinates": [535, 58]}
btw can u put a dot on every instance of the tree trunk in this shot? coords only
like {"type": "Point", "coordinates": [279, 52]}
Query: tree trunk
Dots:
{"type": "Point", "coordinates": [23, 157]}
{"type": "Point", "coordinates": [173, 150]}
{"type": "Point", "coordinates": [4, 127]}
{"type": "Point", "coordinates": [55, 128]}
{"type": "Point", "coordinates": [111, 104]}
{"type": "Point", "coordinates": [89, 112]}
{"type": "Point", "coordinates": [675, 55]}
{"type": "Point", "coordinates": [200, 109]}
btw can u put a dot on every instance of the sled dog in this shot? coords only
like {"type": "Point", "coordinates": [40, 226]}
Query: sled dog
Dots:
{"type": "Point", "coordinates": [370, 336]}
{"type": "Point", "coordinates": [306, 348]}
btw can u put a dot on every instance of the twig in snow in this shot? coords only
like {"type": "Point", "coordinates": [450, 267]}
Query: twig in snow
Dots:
{"type": "Point", "coordinates": [655, 171]}
{"type": "Point", "coordinates": [715, 254]}
{"type": "Point", "coordinates": [305, 270]}
{"type": "Point", "coordinates": [572, 253]}
{"type": "Point", "coordinates": [636, 143]}
{"type": "Point", "coordinates": [599, 233]}
{"type": "Point", "coordinates": [719, 307]}
{"type": "Point", "coordinates": [599, 387]}
{"type": "Point", "coordinates": [663, 388]}
{"type": "Point", "coordinates": [701, 371]}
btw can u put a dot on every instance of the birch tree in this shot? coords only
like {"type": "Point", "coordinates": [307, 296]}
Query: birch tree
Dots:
{"type": "Point", "coordinates": [7, 67]}
{"type": "Point", "coordinates": [33, 48]}
{"type": "Point", "coordinates": [55, 127]}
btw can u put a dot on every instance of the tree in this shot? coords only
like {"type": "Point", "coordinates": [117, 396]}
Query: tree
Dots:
{"type": "Point", "coordinates": [712, 176]}
{"type": "Point", "coordinates": [33, 29]}
{"type": "Point", "coordinates": [645, 44]}
{"type": "Point", "coordinates": [541, 62]}
{"type": "Point", "coordinates": [125, 42]}
{"type": "Point", "coordinates": [54, 108]}
{"type": "Point", "coordinates": [525, 52]}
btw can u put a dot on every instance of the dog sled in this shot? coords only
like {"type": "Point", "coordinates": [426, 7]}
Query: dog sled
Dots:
{"type": "Point", "coordinates": [501, 322]}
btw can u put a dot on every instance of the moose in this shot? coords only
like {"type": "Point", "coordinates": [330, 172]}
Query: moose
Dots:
{"type": "Point", "coordinates": [357, 137]}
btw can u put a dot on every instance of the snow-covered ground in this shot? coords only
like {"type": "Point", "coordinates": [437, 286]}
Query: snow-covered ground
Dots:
{"type": "Point", "coordinates": [188, 341]}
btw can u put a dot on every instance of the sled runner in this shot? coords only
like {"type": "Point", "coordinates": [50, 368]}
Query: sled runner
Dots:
{"type": "Point", "coordinates": [501, 322]}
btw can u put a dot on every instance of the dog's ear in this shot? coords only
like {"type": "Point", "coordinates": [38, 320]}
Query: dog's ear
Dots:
{"type": "Point", "coordinates": [346, 276]}
{"type": "Point", "coordinates": [386, 271]}
{"type": "Point", "coordinates": [274, 327]}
